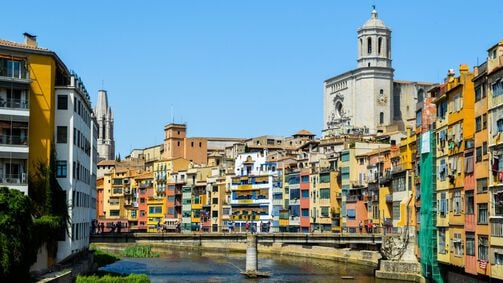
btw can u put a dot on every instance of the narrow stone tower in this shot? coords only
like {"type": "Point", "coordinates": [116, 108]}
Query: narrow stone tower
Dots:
{"type": "Point", "coordinates": [104, 117]}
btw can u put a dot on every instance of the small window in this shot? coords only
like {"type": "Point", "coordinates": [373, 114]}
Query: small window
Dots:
{"type": "Point", "coordinates": [61, 134]}
{"type": "Point", "coordinates": [381, 118]}
{"type": "Point", "coordinates": [63, 102]}
{"type": "Point", "coordinates": [369, 45]}
{"type": "Point", "coordinates": [61, 169]}
{"type": "Point", "coordinates": [379, 45]}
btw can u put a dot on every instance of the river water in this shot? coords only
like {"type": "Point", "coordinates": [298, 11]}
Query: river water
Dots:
{"type": "Point", "coordinates": [194, 266]}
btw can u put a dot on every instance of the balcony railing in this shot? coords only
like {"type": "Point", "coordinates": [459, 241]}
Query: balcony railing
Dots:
{"type": "Point", "coordinates": [13, 178]}
{"type": "Point", "coordinates": [14, 103]}
{"type": "Point", "coordinates": [14, 139]}
{"type": "Point", "coordinates": [353, 198]}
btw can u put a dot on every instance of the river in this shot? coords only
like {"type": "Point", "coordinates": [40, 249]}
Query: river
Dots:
{"type": "Point", "coordinates": [194, 266]}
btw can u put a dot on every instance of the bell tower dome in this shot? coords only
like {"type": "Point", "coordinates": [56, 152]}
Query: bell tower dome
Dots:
{"type": "Point", "coordinates": [374, 43]}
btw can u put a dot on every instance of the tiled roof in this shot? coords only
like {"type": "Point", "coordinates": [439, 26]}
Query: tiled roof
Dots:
{"type": "Point", "coordinates": [304, 133]}
{"type": "Point", "coordinates": [106, 163]}
{"type": "Point", "coordinates": [8, 43]}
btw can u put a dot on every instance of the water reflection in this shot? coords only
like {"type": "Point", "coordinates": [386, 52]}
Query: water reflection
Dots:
{"type": "Point", "coordinates": [190, 266]}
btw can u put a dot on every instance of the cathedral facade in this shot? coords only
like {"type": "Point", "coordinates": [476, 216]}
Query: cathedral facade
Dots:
{"type": "Point", "coordinates": [362, 101]}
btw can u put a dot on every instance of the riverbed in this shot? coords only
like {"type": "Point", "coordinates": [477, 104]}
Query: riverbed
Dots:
{"type": "Point", "coordinates": [198, 266]}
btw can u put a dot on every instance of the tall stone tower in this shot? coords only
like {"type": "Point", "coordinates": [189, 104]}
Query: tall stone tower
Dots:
{"type": "Point", "coordinates": [104, 117]}
{"type": "Point", "coordinates": [359, 101]}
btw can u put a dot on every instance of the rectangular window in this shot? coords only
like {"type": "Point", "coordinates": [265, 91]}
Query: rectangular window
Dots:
{"type": "Point", "coordinates": [305, 179]}
{"type": "Point", "coordinates": [482, 217]}
{"type": "Point", "coordinates": [305, 193]}
{"type": "Point", "coordinates": [324, 211]}
{"type": "Point", "coordinates": [441, 240]}
{"type": "Point", "coordinates": [478, 93]}
{"type": "Point", "coordinates": [478, 154]}
{"type": "Point", "coordinates": [469, 203]}
{"type": "Point", "coordinates": [305, 212]}
{"type": "Point", "coordinates": [215, 201]}
{"type": "Point", "coordinates": [484, 121]}
{"type": "Point", "coordinates": [142, 212]}
{"type": "Point", "coordinates": [61, 167]}
{"type": "Point", "coordinates": [61, 134]}
{"type": "Point", "coordinates": [482, 185]}
{"type": "Point", "coordinates": [62, 102]}
{"type": "Point", "coordinates": [214, 214]}
{"type": "Point", "coordinates": [457, 242]}
{"type": "Point", "coordinates": [114, 212]}
{"type": "Point", "coordinates": [470, 243]}
{"type": "Point", "coordinates": [324, 193]}
{"type": "Point", "coordinates": [325, 178]}
{"type": "Point", "coordinates": [484, 148]}
{"type": "Point", "coordinates": [478, 124]}
{"type": "Point", "coordinates": [483, 253]}
{"type": "Point", "coordinates": [396, 210]}
{"type": "Point", "coordinates": [456, 202]}
{"type": "Point", "coordinates": [155, 209]}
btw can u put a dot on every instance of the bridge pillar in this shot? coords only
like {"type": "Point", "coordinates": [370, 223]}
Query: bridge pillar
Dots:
{"type": "Point", "coordinates": [251, 253]}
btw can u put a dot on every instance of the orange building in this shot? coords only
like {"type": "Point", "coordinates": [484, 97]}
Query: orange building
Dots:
{"type": "Point", "coordinates": [176, 144]}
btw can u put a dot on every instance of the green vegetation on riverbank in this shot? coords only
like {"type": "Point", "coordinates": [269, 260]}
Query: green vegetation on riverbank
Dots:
{"type": "Point", "coordinates": [139, 251]}
{"type": "Point", "coordinates": [131, 278]}
{"type": "Point", "coordinates": [102, 258]}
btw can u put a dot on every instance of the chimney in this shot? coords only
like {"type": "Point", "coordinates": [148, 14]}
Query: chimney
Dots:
{"type": "Point", "coordinates": [30, 40]}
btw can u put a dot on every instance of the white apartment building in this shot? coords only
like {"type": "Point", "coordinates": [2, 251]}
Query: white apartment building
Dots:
{"type": "Point", "coordinates": [76, 157]}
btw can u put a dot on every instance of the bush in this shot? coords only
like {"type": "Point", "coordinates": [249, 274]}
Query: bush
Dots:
{"type": "Point", "coordinates": [102, 258]}
{"type": "Point", "coordinates": [131, 278]}
{"type": "Point", "coordinates": [17, 249]}
{"type": "Point", "coordinates": [139, 251]}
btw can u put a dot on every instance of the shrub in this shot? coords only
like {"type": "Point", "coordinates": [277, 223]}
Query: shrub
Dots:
{"type": "Point", "coordinates": [131, 278]}
{"type": "Point", "coordinates": [139, 251]}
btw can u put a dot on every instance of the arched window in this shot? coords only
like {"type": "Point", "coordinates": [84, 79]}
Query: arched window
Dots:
{"type": "Point", "coordinates": [361, 47]}
{"type": "Point", "coordinates": [369, 45]}
{"type": "Point", "coordinates": [381, 118]}
{"type": "Point", "coordinates": [420, 95]}
{"type": "Point", "coordinates": [379, 45]}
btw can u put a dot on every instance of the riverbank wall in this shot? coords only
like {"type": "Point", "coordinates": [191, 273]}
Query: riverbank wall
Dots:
{"type": "Point", "coordinates": [362, 257]}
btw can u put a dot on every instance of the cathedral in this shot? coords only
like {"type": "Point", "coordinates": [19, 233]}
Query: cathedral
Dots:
{"type": "Point", "coordinates": [103, 114]}
{"type": "Point", "coordinates": [367, 100]}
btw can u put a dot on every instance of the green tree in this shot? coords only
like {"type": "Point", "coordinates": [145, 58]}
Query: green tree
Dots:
{"type": "Point", "coordinates": [17, 250]}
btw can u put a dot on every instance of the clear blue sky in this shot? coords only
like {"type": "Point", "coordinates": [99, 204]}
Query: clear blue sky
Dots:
{"type": "Point", "coordinates": [240, 68]}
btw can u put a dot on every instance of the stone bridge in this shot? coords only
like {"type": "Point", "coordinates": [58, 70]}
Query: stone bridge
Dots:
{"type": "Point", "coordinates": [366, 241]}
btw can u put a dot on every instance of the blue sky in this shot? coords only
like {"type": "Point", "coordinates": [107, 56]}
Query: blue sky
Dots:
{"type": "Point", "coordinates": [240, 68]}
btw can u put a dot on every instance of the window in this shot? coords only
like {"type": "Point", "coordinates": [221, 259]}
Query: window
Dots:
{"type": "Point", "coordinates": [305, 179]}
{"type": "Point", "coordinates": [456, 202]}
{"type": "Point", "coordinates": [61, 134]}
{"type": "Point", "coordinates": [419, 115]}
{"type": "Point", "coordinates": [155, 209]}
{"type": "Point", "coordinates": [478, 154]}
{"type": "Point", "coordinates": [482, 219]}
{"type": "Point", "coordinates": [497, 88]}
{"type": "Point", "coordinates": [498, 201]}
{"type": "Point", "coordinates": [142, 200]}
{"type": "Point", "coordinates": [441, 240]}
{"type": "Point", "coordinates": [484, 121]}
{"type": "Point", "coordinates": [325, 178]}
{"type": "Point", "coordinates": [351, 214]}
{"type": "Point", "coordinates": [396, 210]}
{"type": "Point", "coordinates": [115, 212]}
{"type": "Point", "coordinates": [498, 258]}
{"type": "Point", "coordinates": [469, 202]}
{"type": "Point", "coordinates": [484, 148]}
{"type": "Point", "coordinates": [305, 193]}
{"type": "Point", "coordinates": [441, 110]}
{"type": "Point", "coordinates": [324, 211]}
{"type": "Point", "coordinates": [369, 45]}
{"type": "Point", "coordinates": [324, 193]}
{"type": "Point", "coordinates": [478, 124]}
{"type": "Point", "coordinates": [443, 205]}
{"type": "Point", "coordinates": [304, 212]}
{"type": "Point", "coordinates": [379, 45]}
{"type": "Point", "coordinates": [61, 168]}
{"type": "Point", "coordinates": [457, 244]}
{"type": "Point", "coordinates": [215, 201]}
{"type": "Point", "coordinates": [481, 185]}
{"type": "Point", "coordinates": [420, 95]}
{"type": "Point", "coordinates": [470, 243]}
{"type": "Point", "coordinates": [214, 213]}
{"type": "Point", "coordinates": [483, 248]}
{"type": "Point", "coordinates": [63, 102]}
{"type": "Point", "coordinates": [478, 93]}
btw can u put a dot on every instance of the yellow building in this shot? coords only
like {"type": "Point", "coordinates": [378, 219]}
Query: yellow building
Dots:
{"type": "Point", "coordinates": [406, 193]}
{"type": "Point", "coordinates": [335, 201]}
{"type": "Point", "coordinates": [493, 210]}
{"type": "Point", "coordinates": [156, 212]}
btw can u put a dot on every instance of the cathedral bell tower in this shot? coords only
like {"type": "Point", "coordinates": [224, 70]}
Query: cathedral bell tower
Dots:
{"type": "Point", "coordinates": [374, 43]}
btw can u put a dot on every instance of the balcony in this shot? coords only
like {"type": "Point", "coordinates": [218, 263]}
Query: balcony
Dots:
{"type": "Point", "coordinates": [14, 179]}
{"type": "Point", "coordinates": [353, 198]}
{"type": "Point", "coordinates": [14, 139]}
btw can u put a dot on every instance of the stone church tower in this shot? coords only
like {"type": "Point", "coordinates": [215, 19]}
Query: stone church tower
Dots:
{"type": "Point", "coordinates": [104, 117]}
{"type": "Point", "coordinates": [360, 101]}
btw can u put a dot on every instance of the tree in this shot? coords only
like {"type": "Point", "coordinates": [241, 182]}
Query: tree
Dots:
{"type": "Point", "coordinates": [17, 251]}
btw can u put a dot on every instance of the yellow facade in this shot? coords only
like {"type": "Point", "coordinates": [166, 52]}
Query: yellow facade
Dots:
{"type": "Point", "coordinates": [335, 201]}
{"type": "Point", "coordinates": [41, 130]}
{"type": "Point", "coordinates": [156, 212]}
